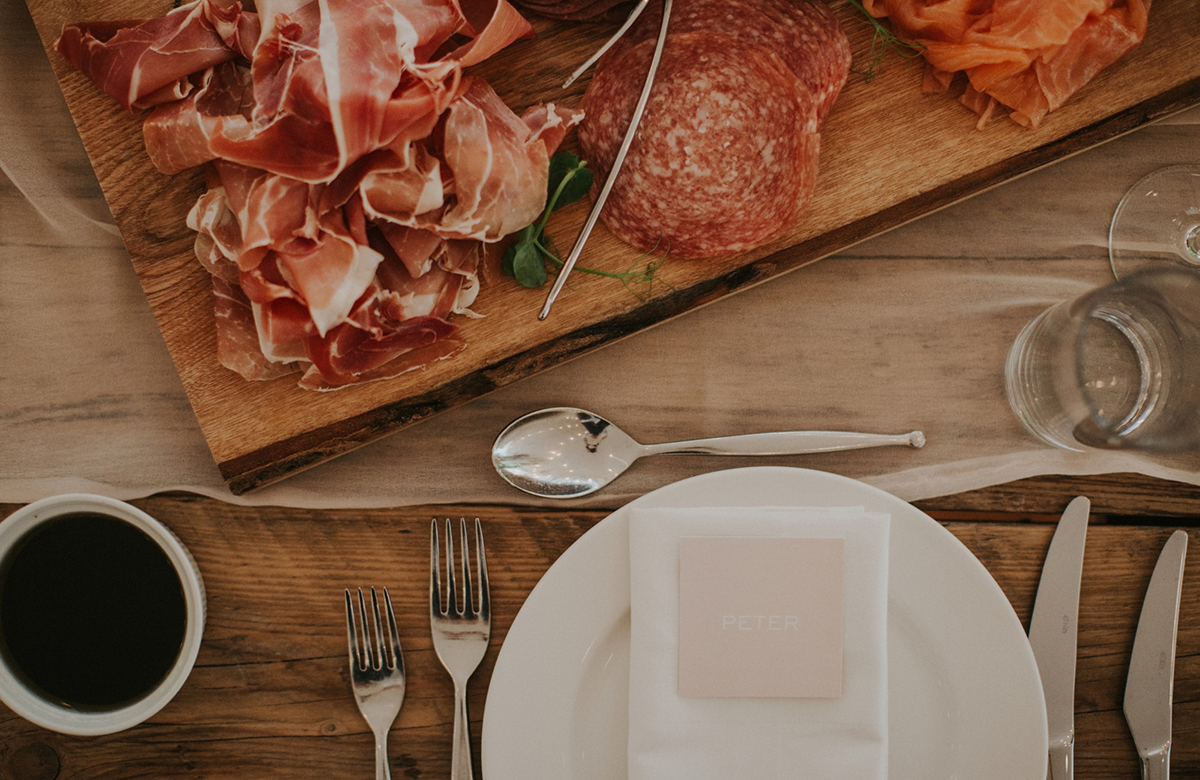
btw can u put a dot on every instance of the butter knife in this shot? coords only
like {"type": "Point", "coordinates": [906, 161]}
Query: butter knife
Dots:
{"type": "Point", "coordinates": [1053, 632]}
{"type": "Point", "coordinates": [1148, 689]}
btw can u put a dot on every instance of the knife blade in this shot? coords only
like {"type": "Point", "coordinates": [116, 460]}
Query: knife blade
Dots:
{"type": "Point", "coordinates": [1053, 633]}
{"type": "Point", "coordinates": [1149, 686]}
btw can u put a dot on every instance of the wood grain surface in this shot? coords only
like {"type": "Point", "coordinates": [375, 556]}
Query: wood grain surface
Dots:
{"type": "Point", "coordinates": [1134, 498]}
{"type": "Point", "coordinates": [889, 155]}
{"type": "Point", "coordinates": [270, 694]}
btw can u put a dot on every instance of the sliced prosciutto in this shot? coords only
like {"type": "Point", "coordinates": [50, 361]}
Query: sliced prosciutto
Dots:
{"type": "Point", "coordinates": [310, 104]}
{"type": "Point", "coordinates": [488, 181]}
{"type": "Point", "coordinates": [1029, 56]}
{"type": "Point", "coordinates": [352, 170]}
{"type": "Point", "coordinates": [237, 335]}
{"type": "Point", "coordinates": [144, 63]}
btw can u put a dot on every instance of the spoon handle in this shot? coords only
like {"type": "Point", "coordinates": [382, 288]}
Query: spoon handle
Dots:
{"type": "Point", "coordinates": [785, 443]}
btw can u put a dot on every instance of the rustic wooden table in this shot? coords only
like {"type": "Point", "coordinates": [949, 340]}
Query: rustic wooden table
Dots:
{"type": "Point", "coordinates": [270, 694]}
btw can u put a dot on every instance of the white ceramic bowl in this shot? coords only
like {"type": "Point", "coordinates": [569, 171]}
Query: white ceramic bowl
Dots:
{"type": "Point", "coordinates": [54, 716]}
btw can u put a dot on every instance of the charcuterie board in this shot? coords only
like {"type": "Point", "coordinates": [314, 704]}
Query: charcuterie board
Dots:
{"type": "Point", "coordinates": [888, 155]}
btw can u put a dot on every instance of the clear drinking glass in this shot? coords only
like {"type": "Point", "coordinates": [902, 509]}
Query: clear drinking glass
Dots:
{"type": "Point", "coordinates": [1116, 368]}
{"type": "Point", "coordinates": [1157, 221]}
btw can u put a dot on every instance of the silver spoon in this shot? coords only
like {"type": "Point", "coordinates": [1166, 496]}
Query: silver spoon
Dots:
{"type": "Point", "coordinates": [566, 453]}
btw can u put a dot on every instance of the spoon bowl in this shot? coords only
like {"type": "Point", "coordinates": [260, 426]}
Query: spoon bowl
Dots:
{"type": "Point", "coordinates": [564, 452]}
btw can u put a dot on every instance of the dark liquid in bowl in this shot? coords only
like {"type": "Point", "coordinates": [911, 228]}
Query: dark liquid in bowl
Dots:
{"type": "Point", "coordinates": [92, 612]}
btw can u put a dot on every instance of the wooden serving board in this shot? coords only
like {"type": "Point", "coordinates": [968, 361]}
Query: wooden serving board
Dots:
{"type": "Point", "coordinates": [888, 155]}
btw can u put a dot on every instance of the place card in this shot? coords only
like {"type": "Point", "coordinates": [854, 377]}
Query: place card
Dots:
{"type": "Point", "coordinates": [760, 617]}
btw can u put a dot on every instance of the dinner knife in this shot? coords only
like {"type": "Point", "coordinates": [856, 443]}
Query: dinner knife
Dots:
{"type": "Point", "coordinates": [1148, 689]}
{"type": "Point", "coordinates": [1053, 632]}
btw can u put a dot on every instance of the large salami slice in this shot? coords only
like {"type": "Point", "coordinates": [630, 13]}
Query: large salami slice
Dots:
{"type": "Point", "coordinates": [804, 33]}
{"type": "Point", "coordinates": [725, 156]}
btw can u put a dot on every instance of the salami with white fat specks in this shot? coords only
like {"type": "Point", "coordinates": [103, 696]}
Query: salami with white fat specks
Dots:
{"type": "Point", "coordinates": [804, 33]}
{"type": "Point", "coordinates": [725, 157]}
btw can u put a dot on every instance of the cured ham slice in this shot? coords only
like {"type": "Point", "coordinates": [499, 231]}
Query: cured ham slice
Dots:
{"type": "Point", "coordinates": [399, 324]}
{"type": "Point", "coordinates": [270, 212]}
{"type": "Point", "coordinates": [361, 89]}
{"type": "Point", "coordinates": [352, 171]}
{"type": "Point", "coordinates": [447, 285]}
{"type": "Point", "coordinates": [1027, 55]}
{"type": "Point", "coordinates": [486, 195]}
{"type": "Point", "coordinates": [305, 293]}
{"type": "Point", "coordinates": [144, 63]}
{"type": "Point", "coordinates": [237, 336]}
{"type": "Point", "coordinates": [414, 248]}
{"type": "Point", "coordinates": [218, 234]}
{"type": "Point", "coordinates": [270, 114]}
{"type": "Point", "coordinates": [725, 156]}
{"type": "Point", "coordinates": [501, 192]}
{"type": "Point", "coordinates": [352, 355]}
{"type": "Point", "coordinates": [309, 103]}
{"type": "Point", "coordinates": [491, 26]}
{"type": "Point", "coordinates": [329, 274]}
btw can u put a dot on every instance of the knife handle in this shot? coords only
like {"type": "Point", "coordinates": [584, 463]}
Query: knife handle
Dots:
{"type": "Point", "coordinates": [1062, 761]}
{"type": "Point", "coordinates": [1157, 766]}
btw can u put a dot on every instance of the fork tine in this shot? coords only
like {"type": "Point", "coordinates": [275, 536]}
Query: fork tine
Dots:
{"type": "Point", "coordinates": [379, 657]}
{"type": "Point", "coordinates": [435, 572]}
{"type": "Point", "coordinates": [485, 599]}
{"type": "Point", "coordinates": [352, 633]}
{"type": "Point", "coordinates": [397, 654]}
{"type": "Point", "coordinates": [468, 591]}
{"type": "Point", "coordinates": [367, 660]}
{"type": "Point", "coordinates": [451, 590]}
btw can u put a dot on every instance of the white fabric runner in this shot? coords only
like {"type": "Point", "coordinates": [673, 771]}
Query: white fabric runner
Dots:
{"type": "Point", "coordinates": [907, 331]}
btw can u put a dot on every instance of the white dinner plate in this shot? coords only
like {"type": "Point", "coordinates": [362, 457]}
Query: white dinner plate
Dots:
{"type": "Point", "coordinates": [964, 695]}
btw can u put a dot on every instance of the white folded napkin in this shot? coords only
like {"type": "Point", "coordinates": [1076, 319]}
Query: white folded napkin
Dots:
{"type": "Point", "coordinates": [671, 736]}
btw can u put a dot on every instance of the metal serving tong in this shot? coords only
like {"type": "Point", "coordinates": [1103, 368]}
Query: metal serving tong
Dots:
{"type": "Point", "coordinates": [594, 214]}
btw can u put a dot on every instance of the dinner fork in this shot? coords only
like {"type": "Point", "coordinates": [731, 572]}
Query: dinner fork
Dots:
{"type": "Point", "coordinates": [376, 671]}
{"type": "Point", "coordinates": [460, 633]}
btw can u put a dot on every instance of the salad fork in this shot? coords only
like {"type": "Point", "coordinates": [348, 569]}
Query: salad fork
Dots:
{"type": "Point", "coordinates": [460, 633]}
{"type": "Point", "coordinates": [376, 671]}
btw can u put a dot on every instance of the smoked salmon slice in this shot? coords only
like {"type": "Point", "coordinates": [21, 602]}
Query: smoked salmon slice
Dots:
{"type": "Point", "coordinates": [1029, 56]}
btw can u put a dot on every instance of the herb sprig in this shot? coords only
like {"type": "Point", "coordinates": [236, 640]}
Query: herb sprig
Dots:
{"type": "Point", "coordinates": [884, 41]}
{"type": "Point", "coordinates": [526, 258]}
